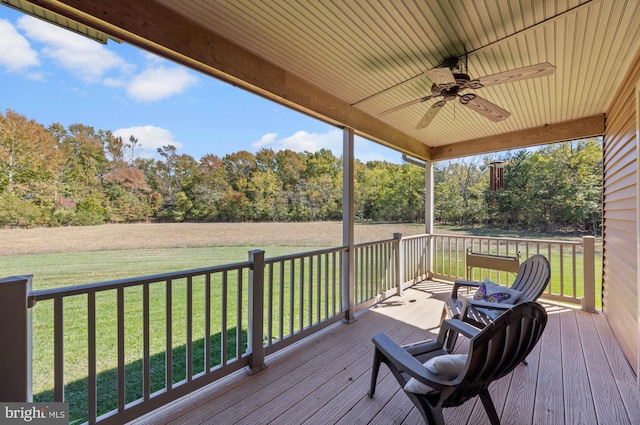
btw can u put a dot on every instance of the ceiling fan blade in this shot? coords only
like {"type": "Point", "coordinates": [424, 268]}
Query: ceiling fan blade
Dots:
{"type": "Point", "coordinates": [441, 77]}
{"type": "Point", "coordinates": [484, 107]}
{"type": "Point", "coordinates": [404, 105]}
{"type": "Point", "coordinates": [533, 71]}
{"type": "Point", "coordinates": [430, 115]}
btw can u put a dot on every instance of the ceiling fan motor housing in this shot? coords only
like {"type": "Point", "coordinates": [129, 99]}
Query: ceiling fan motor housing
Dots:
{"type": "Point", "coordinates": [450, 91]}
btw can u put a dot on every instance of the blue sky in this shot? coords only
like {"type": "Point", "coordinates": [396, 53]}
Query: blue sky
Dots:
{"type": "Point", "coordinates": [49, 74]}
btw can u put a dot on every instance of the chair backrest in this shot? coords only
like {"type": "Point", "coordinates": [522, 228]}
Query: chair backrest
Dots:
{"type": "Point", "coordinates": [532, 278]}
{"type": "Point", "coordinates": [498, 349]}
{"type": "Point", "coordinates": [490, 262]}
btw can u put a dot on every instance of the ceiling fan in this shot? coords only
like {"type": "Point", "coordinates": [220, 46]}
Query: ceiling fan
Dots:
{"type": "Point", "coordinates": [450, 79]}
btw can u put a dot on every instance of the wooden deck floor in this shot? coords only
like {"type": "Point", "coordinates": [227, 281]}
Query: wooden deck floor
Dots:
{"type": "Point", "coordinates": [576, 375]}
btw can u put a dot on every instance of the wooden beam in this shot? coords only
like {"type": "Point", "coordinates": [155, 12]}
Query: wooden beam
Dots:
{"type": "Point", "coordinates": [158, 29]}
{"type": "Point", "coordinates": [550, 133]}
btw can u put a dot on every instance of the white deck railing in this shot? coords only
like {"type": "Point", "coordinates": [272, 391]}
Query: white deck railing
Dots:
{"type": "Point", "coordinates": [200, 325]}
{"type": "Point", "coordinates": [572, 263]}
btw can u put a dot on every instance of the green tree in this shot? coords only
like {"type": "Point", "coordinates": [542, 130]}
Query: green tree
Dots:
{"type": "Point", "coordinates": [85, 164]}
{"type": "Point", "coordinates": [460, 188]}
{"type": "Point", "coordinates": [175, 175]}
{"type": "Point", "coordinates": [209, 188]}
{"type": "Point", "coordinates": [239, 167]}
{"type": "Point", "coordinates": [29, 160]}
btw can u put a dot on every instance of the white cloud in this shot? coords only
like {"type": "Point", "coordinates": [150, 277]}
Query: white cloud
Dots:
{"type": "Point", "coordinates": [35, 76]}
{"type": "Point", "coordinates": [265, 141]}
{"type": "Point", "coordinates": [15, 52]}
{"type": "Point", "coordinates": [150, 137]}
{"type": "Point", "coordinates": [114, 82]}
{"type": "Point", "coordinates": [160, 83]}
{"type": "Point", "coordinates": [85, 58]}
{"type": "Point", "coordinates": [302, 141]}
{"type": "Point", "coordinates": [23, 45]}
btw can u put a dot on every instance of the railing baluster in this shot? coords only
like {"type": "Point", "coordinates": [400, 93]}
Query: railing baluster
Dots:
{"type": "Point", "coordinates": [561, 255]}
{"type": "Point", "coordinates": [291, 296]}
{"type": "Point", "coordinates": [335, 283]}
{"type": "Point", "coordinates": [224, 332]}
{"type": "Point", "coordinates": [319, 286]}
{"type": "Point", "coordinates": [239, 315]}
{"type": "Point", "coordinates": [91, 342]}
{"type": "Point", "coordinates": [326, 286]}
{"type": "Point", "coordinates": [270, 304]}
{"type": "Point", "coordinates": [301, 300]}
{"type": "Point", "coordinates": [310, 294]}
{"type": "Point", "coordinates": [58, 352]}
{"type": "Point", "coordinates": [146, 343]}
{"type": "Point", "coordinates": [574, 276]}
{"type": "Point", "coordinates": [121, 359]}
{"type": "Point", "coordinates": [366, 278]}
{"type": "Point", "coordinates": [360, 263]}
{"type": "Point", "coordinates": [189, 336]}
{"type": "Point", "coordinates": [168, 356]}
{"type": "Point", "coordinates": [207, 323]}
{"type": "Point", "coordinates": [281, 328]}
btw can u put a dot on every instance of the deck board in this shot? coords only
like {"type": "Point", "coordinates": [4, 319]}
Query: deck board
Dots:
{"type": "Point", "coordinates": [601, 380]}
{"type": "Point", "coordinates": [577, 392]}
{"type": "Point", "coordinates": [549, 400]}
{"type": "Point", "coordinates": [576, 374]}
{"type": "Point", "coordinates": [620, 369]}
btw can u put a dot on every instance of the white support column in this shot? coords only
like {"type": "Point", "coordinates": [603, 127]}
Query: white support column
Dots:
{"type": "Point", "coordinates": [428, 213]}
{"type": "Point", "coordinates": [348, 258]}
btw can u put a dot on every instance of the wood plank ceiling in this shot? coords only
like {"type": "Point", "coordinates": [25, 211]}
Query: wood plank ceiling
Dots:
{"type": "Point", "coordinates": [371, 56]}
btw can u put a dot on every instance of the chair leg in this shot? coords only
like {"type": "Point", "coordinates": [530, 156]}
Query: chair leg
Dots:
{"type": "Point", "coordinates": [432, 415]}
{"type": "Point", "coordinates": [377, 359]}
{"type": "Point", "coordinates": [485, 397]}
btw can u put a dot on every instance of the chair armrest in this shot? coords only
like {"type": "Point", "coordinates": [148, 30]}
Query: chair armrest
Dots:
{"type": "Point", "coordinates": [459, 283]}
{"type": "Point", "coordinates": [405, 362]}
{"type": "Point", "coordinates": [456, 326]}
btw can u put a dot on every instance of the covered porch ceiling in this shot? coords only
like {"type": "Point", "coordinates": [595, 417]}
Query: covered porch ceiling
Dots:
{"type": "Point", "coordinates": [347, 61]}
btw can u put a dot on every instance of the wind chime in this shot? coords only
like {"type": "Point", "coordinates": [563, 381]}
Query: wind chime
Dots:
{"type": "Point", "coordinates": [496, 176]}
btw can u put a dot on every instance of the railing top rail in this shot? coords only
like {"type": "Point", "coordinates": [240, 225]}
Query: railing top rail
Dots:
{"type": "Point", "coordinates": [67, 291]}
{"type": "Point", "coordinates": [365, 244]}
{"type": "Point", "coordinates": [548, 241]}
{"type": "Point", "coordinates": [422, 235]}
{"type": "Point", "coordinates": [304, 254]}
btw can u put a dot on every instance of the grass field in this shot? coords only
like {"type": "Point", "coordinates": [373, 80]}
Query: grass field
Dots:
{"type": "Point", "coordinates": [77, 255]}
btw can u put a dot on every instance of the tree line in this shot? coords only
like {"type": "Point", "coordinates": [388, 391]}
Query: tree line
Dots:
{"type": "Point", "coordinates": [57, 176]}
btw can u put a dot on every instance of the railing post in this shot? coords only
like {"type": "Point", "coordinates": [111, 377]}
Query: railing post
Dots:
{"type": "Point", "coordinates": [589, 278]}
{"type": "Point", "coordinates": [15, 334]}
{"type": "Point", "coordinates": [255, 337]}
{"type": "Point", "coordinates": [399, 260]}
